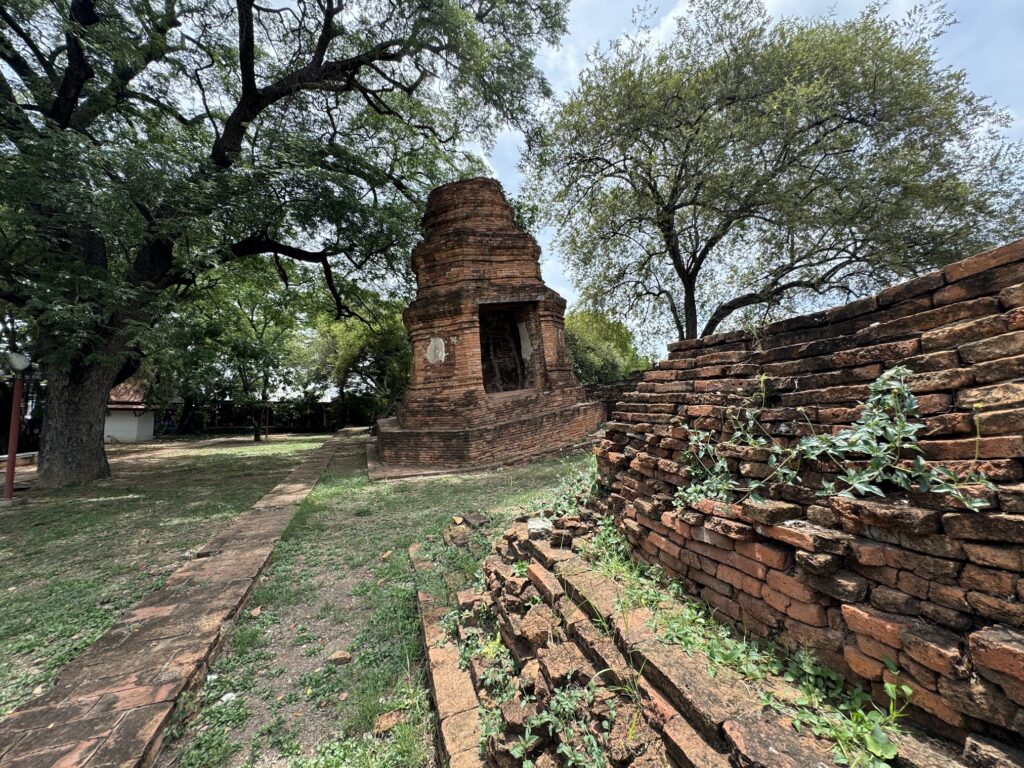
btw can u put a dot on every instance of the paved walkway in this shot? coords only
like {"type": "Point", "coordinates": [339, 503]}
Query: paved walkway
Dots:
{"type": "Point", "coordinates": [109, 707]}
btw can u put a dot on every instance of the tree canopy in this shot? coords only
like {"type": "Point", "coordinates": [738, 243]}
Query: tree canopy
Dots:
{"type": "Point", "coordinates": [749, 167]}
{"type": "Point", "coordinates": [145, 143]}
{"type": "Point", "coordinates": [603, 350]}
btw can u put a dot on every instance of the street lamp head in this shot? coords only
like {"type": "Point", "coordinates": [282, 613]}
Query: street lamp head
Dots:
{"type": "Point", "coordinates": [17, 361]}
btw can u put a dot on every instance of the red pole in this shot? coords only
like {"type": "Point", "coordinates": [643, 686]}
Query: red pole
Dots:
{"type": "Point", "coordinates": [12, 439]}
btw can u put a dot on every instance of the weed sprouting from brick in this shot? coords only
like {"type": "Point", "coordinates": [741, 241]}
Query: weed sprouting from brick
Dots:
{"type": "Point", "coordinates": [878, 452]}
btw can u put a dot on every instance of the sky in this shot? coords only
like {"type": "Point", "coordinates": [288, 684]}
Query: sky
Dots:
{"type": "Point", "coordinates": [985, 42]}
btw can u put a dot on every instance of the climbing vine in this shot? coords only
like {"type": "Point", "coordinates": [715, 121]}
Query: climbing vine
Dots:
{"type": "Point", "coordinates": [879, 450]}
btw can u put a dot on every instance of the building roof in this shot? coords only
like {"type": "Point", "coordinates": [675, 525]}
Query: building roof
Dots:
{"type": "Point", "coordinates": [129, 395]}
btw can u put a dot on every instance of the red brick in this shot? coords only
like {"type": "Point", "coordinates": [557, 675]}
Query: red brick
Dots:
{"type": "Point", "coordinates": [983, 262]}
{"type": "Point", "coordinates": [938, 650]}
{"type": "Point", "coordinates": [970, 330]}
{"type": "Point", "coordinates": [884, 627]}
{"type": "Point", "coordinates": [1000, 648]}
{"type": "Point", "coordinates": [991, 580]}
{"type": "Point", "coordinates": [863, 666]}
{"type": "Point", "coordinates": [997, 396]}
{"type": "Point", "coordinates": [986, 448]}
{"type": "Point", "coordinates": [807, 613]}
{"type": "Point", "coordinates": [775, 599]}
{"type": "Point", "coordinates": [739, 579]}
{"type": "Point", "coordinates": [767, 554]}
{"type": "Point", "coordinates": [876, 650]}
{"type": "Point", "coordinates": [1004, 345]}
{"type": "Point", "coordinates": [792, 587]}
{"type": "Point", "coordinates": [721, 602]}
{"type": "Point", "coordinates": [867, 552]}
{"type": "Point", "coordinates": [973, 526]}
{"type": "Point", "coordinates": [980, 284]}
{"type": "Point", "coordinates": [748, 566]}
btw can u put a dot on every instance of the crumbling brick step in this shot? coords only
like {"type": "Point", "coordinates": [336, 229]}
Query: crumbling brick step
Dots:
{"type": "Point", "coordinates": [705, 721]}
{"type": "Point", "coordinates": [451, 687]}
{"type": "Point", "coordinates": [111, 705]}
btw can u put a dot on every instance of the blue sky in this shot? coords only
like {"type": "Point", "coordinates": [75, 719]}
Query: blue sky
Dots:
{"type": "Point", "coordinates": [986, 42]}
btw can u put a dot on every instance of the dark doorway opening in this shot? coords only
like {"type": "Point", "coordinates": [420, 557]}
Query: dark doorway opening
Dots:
{"type": "Point", "coordinates": [505, 347]}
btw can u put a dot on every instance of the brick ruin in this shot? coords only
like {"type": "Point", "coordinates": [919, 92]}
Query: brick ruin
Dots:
{"type": "Point", "coordinates": [914, 579]}
{"type": "Point", "coordinates": [490, 378]}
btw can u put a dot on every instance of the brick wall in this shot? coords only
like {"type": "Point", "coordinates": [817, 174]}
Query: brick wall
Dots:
{"type": "Point", "coordinates": [914, 579]}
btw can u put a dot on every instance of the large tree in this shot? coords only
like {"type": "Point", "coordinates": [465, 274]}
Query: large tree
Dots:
{"type": "Point", "coordinates": [748, 167]}
{"type": "Point", "coordinates": [143, 143]}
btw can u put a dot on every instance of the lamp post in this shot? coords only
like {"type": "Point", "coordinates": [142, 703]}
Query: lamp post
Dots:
{"type": "Point", "coordinates": [17, 363]}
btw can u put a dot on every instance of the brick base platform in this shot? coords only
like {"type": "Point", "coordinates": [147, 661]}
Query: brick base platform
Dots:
{"type": "Point", "coordinates": [111, 705]}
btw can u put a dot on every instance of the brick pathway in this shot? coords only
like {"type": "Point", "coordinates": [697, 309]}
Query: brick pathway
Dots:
{"type": "Point", "coordinates": [109, 707]}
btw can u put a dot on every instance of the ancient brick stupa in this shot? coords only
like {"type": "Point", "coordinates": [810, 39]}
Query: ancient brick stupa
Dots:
{"type": "Point", "coordinates": [491, 380]}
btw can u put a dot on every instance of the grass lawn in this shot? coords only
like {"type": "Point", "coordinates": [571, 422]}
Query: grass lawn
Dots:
{"type": "Point", "coordinates": [75, 559]}
{"type": "Point", "coordinates": [341, 581]}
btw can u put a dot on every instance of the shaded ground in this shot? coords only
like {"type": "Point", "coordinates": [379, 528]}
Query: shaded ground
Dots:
{"type": "Point", "coordinates": [75, 559]}
{"type": "Point", "coordinates": [341, 581]}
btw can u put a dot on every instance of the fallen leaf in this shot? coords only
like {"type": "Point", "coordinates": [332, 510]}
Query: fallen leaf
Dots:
{"type": "Point", "coordinates": [387, 722]}
{"type": "Point", "coordinates": [386, 555]}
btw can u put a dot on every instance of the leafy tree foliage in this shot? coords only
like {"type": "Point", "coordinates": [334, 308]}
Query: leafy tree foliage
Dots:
{"type": "Point", "coordinates": [145, 143]}
{"type": "Point", "coordinates": [367, 363]}
{"type": "Point", "coordinates": [236, 337]}
{"type": "Point", "coordinates": [750, 167]}
{"type": "Point", "coordinates": [603, 350]}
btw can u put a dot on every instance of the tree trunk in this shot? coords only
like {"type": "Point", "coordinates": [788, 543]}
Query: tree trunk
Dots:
{"type": "Point", "coordinates": [690, 307]}
{"type": "Point", "coordinates": [257, 423]}
{"type": "Point", "coordinates": [71, 446]}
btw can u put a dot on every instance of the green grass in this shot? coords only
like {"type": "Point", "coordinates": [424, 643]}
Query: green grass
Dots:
{"type": "Point", "coordinates": [75, 559]}
{"type": "Point", "coordinates": [341, 531]}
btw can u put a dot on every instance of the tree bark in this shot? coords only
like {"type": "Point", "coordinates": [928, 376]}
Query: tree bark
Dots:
{"type": "Point", "coordinates": [71, 446]}
{"type": "Point", "coordinates": [690, 307]}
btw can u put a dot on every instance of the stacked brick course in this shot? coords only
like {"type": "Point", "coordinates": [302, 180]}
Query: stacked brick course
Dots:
{"type": "Point", "coordinates": [912, 580]}
{"type": "Point", "coordinates": [459, 411]}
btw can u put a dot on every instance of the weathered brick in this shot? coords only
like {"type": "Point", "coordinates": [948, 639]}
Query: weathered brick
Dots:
{"type": "Point", "coordinates": [791, 586]}
{"type": "Point", "coordinates": [731, 529]}
{"type": "Point", "coordinates": [1008, 558]}
{"type": "Point", "coordinates": [887, 628]}
{"type": "Point", "coordinates": [984, 752]}
{"type": "Point", "coordinates": [842, 585]}
{"type": "Point", "coordinates": [807, 613]}
{"type": "Point", "coordinates": [960, 333]}
{"type": "Point", "coordinates": [897, 514]}
{"type": "Point", "coordinates": [1000, 648]}
{"type": "Point", "coordinates": [991, 580]}
{"type": "Point", "coordinates": [894, 601]}
{"type": "Point", "coordinates": [984, 262]}
{"type": "Point", "coordinates": [1004, 345]}
{"type": "Point", "coordinates": [770, 555]}
{"type": "Point", "coordinates": [862, 665]}
{"type": "Point", "coordinates": [999, 370]}
{"type": "Point", "coordinates": [980, 284]}
{"type": "Point", "coordinates": [884, 353]}
{"type": "Point", "coordinates": [985, 447]}
{"type": "Point", "coordinates": [808, 536]}
{"type": "Point", "coordinates": [984, 527]}
{"type": "Point", "coordinates": [937, 649]}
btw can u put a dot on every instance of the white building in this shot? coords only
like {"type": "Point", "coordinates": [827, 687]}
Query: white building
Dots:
{"type": "Point", "coordinates": [128, 420]}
